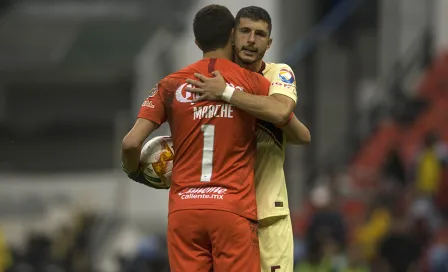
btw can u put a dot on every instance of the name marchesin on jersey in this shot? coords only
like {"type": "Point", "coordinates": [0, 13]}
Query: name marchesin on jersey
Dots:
{"type": "Point", "coordinates": [215, 111]}
{"type": "Point", "coordinates": [211, 111]}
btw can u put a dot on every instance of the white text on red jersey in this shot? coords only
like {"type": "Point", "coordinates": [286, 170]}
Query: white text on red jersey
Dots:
{"type": "Point", "coordinates": [213, 111]}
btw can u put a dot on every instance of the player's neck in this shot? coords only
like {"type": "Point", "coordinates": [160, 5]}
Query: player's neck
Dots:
{"type": "Point", "coordinates": [217, 54]}
{"type": "Point", "coordinates": [254, 67]}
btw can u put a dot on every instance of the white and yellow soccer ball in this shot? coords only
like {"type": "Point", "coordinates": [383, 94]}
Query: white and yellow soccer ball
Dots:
{"type": "Point", "coordinates": [156, 161]}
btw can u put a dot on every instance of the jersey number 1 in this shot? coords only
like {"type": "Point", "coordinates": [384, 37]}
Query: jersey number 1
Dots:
{"type": "Point", "coordinates": [207, 152]}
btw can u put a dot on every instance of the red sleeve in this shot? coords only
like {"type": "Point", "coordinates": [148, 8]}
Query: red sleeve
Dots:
{"type": "Point", "coordinates": [259, 84]}
{"type": "Point", "coordinates": [153, 107]}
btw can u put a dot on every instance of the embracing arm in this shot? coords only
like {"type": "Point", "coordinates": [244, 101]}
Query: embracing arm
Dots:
{"type": "Point", "coordinates": [275, 108]}
{"type": "Point", "coordinates": [297, 133]}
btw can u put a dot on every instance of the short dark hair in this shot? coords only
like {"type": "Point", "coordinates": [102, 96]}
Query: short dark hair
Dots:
{"type": "Point", "coordinates": [212, 27]}
{"type": "Point", "coordinates": [255, 14]}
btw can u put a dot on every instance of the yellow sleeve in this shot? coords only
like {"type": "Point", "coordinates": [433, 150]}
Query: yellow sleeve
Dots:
{"type": "Point", "coordinates": [283, 81]}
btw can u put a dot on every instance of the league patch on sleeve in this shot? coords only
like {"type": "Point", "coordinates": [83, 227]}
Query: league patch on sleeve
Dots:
{"type": "Point", "coordinates": [286, 76]}
{"type": "Point", "coordinates": [153, 91]}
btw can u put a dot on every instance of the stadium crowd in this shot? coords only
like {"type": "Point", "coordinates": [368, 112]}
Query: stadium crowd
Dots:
{"type": "Point", "coordinates": [402, 225]}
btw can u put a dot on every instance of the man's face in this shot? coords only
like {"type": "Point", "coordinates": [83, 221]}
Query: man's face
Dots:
{"type": "Point", "coordinates": [251, 40]}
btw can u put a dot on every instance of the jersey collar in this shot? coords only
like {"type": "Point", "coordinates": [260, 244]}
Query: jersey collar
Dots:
{"type": "Point", "coordinates": [263, 66]}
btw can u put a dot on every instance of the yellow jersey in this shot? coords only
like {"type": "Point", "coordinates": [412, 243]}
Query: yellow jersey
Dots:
{"type": "Point", "coordinates": [272, 195]}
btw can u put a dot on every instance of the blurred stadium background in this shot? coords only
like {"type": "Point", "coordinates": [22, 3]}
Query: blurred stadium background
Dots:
{"type": "Point", "coordinates": [369, 194]}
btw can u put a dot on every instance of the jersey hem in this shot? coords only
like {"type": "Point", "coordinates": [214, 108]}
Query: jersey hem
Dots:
{"type": "Point", "coordinates": [270, 215]}
{"type": "Point", "coordinates": [158, 122]}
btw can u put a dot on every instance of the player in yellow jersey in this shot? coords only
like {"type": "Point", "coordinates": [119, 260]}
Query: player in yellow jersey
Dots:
{"type": "Point", "coordinates": [251, 40]}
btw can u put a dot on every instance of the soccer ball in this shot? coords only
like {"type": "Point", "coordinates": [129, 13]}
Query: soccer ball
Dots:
{"type": "Point", "coordinates": [156, 161]}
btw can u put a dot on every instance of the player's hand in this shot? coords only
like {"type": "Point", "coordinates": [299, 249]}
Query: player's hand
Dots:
{"type": "Point", "coordinates": [207, 89]}
{"type": "Point", "coordinates": [138, 176]}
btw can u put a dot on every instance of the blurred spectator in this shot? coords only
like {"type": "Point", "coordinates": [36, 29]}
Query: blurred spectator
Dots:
{"type": "Point", "coordinates": [38, 251]}
{"type": "Point", "coordinates": [66, 250]}
{"type": "Point", "coordinates": [438, 253]}
{"type": "Point", "coordinates": [438, 258]}
{"type": "Point", "coordinates": [393, 170]}
{"type": "Point", "coordinates": [325, 234]}
{"type": "Point", "coordinates": [421, 232]}
{"type": "Point", "coordinates": [399, 251]}
{"type": "Point", "coordinates": [5, 255]}
{"type": "Point", "coordinates": [329, 180]}
{"type": "Point", "coordinates": [429, 169]}
{"type": "Point", "coordinates": [327, 223]}
{"type": "Point", "coordinates": [337, 182]}
{"type": "Point", "coordinates": [441, 196]}
{"type": "Point", "coordinates": [373, 230]}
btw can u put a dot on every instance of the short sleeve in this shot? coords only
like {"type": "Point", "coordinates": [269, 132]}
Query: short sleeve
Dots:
{"type": "Point", "coordinates": [259, 84]}
{"type": "Point", "coordinates": [283, 81]}
{"type": "Point", "coordinates": [153, 108]}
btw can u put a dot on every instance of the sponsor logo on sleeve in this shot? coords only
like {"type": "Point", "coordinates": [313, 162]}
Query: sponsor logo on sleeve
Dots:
{"type": "Point", "coordinates": [283, 85]}
{"type": "Point", "coordinates": [286, 76]}
{"type": "Point", "coordinates": [148, 103]}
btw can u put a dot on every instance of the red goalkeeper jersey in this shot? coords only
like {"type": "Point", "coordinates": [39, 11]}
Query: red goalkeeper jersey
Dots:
{"type": "Point", "coordinates": [214, 142]}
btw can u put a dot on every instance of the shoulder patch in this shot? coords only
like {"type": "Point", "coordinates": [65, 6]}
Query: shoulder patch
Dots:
{"type": "Point", "coordinates": [153, 91]}
{"type": "Point", "coordinates": [286, 75]}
